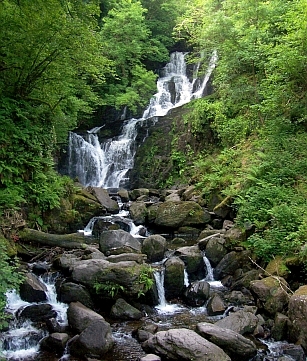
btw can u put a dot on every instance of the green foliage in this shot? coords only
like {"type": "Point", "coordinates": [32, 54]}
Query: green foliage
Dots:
{"type": "Point", "coordinates": [8, 278]}
{"type": "Point", "coordinates": [145, 280]}
{"type": "Point", "coordinates": [108, 287]}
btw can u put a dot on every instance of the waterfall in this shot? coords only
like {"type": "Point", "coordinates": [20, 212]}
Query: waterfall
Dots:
{"type": "Point", "coordinates": [107, 164]}
{"type": "Point", "coordinates": [210, 278]}
{"type": "Point", "coordinates": [21, 342]}
{"type": "Point", "coordinates": [159, 278]}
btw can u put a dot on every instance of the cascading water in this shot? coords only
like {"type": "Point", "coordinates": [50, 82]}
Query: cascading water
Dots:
{"type": "Point", "coordinates": [107, 164]}
{"type": "Point", "coordinates": [210, 278]}
{"type": "Point", "coordinates": [21, 342]}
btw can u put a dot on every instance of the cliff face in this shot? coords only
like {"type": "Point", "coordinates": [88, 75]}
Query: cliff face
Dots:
{"type": "Point", "coordinates": [166, 155]}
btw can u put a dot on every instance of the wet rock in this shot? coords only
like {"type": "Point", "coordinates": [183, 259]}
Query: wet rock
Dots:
{"type": "Point", "coordinates": [279, 331]}
{"type": "Point", "coordinates": [124, 257]}
{"type": "Point", "coordinates": [271, 293]}
{"type": "Point", "coordinates": [231, 262]}
{"type": "Point", "coordinates": [197, 294]}
{"type": "Point", "coordinates": [124, 311]}
{"type": "Point", "coordinates": [243, 321]}
{"type": "Point", "coordinates": [234, 236]}
{"type": "Point", "coordinates": [55, 342]}
{"type": "Point", "coordinates": [94, 341]}
{"type": "Point", "coordinates": [245, 280]}
{"type": "Point", "coordinates": [177, 214]}
{"type": "Point", "coordinates": [183, 344]}
{"type": "Point", "coordinates": [138, 192]}
{"type": "Point", "coordinates": [79, 316]}
{"type": "Point", "coordinates": [138, 212]}
{"type": "Point", "coordinates": [154, 247]}
{"type": "Point", "coordinates": [216, 305]}
{"type": "Point", "coordinates": [174, 277]}
{"type": "Point", "coordinates": [234, 344]}
{"type": "Point", "coordinates": [215, 250]}
{"type": "Point", "coordinates": [297, 313]}
{"type": "Point", "coordinates": [194, 262]}
{"type": "Point", "coordinates": [73, 292]}
{"type": "Point", "coordinates": [32, 289]}
{"type": "Point", "coordinates": [124, 195]}
{"type": "Point", "coordinates": [38, 313]}
{"type": "Point", "coordinates": [105, 200]}
{"type": "Point", "coordinates": [117, 242]}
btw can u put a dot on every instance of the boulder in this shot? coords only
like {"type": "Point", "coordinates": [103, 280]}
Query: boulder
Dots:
{"type": "Point", "coordinates": [94, 341]}
{"type": "Point", "coordinates": [38, 313]}
{"type": "Point", "coordinates": [197, 294]}
{"type": "Point", "coordinates": [117, 242]}
{"type": "Point", "coordinates": [174, 277]}
{"type": "Point", "coordinates": [105, 200]}
{"type": "Point", "coordinates": [124, 311]}
{"type": "Point", "coordinates": [234, 344]}
{"type": "Point", "coordinates": [231, 262]}
{"type": "Point", "coordinates": [215, 250]}
{"type": "Point", "coordinates": [124, 257]}
{"type": "Point", "coordinates": [32, 289]}
{"type": "Point", "coordinates": [154, 247]}
{"type": "Point", "coordinates": [138, 192]}
{"type": "Point", "coordinates": [183, 344]}
{"type": "Point", "coordinates": [175, 214]}
{"type": "Point", "coordinates": [194, 262]}
{"type": "Point", "coordinates": [124, 195]}
{"type": "Point", "coordinates": [243, 321]}
{"type": "Point", "coordinates": [73, 292]}
{"type": "Point", "coordinates": [271, 293]}
{"type": "Point", "coordinates": [297, 312]}
{"type": "Point", "coordinates": [79, 316]}
{"type": "Point", "coordinates": [216, 305]}
{"type": "Point", "coordinates": [279, 330]}
{"type": "Point", "coordinates": [124, 276]}
{"type": "Point", "coordinates": [138, 212]}
{"type": "Point", "coordinates": [55, 342]}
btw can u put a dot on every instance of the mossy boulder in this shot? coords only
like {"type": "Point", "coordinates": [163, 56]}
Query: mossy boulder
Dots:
{"type": "Point", "coordinates": [178, 214]}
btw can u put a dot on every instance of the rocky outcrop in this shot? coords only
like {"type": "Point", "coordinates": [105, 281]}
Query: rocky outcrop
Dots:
{"type": "Point", "coordinates": [32, 289]}
{"type": "Point", "coordinates": [154, 247]}
{"type": "Point", "coordinates": [298, 316]}
{"type": "Point", "coordinates": [233, 343]}
{"type": "Point", "coordinates": [183, 344]}
{"type": "Point", "coordinates": [118, 242]}
{"type": "Point", "coordinates": [124, 311]}
{"type": "Point", "coordinates": [177, 214]}
{"type": "Point", "coordinates": [272, 294]}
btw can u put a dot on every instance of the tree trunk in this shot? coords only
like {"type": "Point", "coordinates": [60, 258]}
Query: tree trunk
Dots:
{"type": "Point", "coordinates": [72, 240]}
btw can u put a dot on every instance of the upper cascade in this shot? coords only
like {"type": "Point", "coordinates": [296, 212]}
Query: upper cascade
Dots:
{"type": "Point", "coordinates": [106, 164]}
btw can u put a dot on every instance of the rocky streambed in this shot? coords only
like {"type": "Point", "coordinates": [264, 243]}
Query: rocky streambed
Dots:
{"type": "Point", "coordinates": [153, 295]}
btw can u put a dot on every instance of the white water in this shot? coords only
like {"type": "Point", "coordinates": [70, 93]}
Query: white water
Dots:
{"type": "Point", "coordinates": [21, 342]}
{"type": "Point", "coordinates": [106, 165]}
{"type": "Point", "coordinates": [210, 278]}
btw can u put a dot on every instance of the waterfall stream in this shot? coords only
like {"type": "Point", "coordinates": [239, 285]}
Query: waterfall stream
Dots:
{"type": "Point", "coordinates": [106, 164]}
{"type": "Point", "coordinates": [22, 340]}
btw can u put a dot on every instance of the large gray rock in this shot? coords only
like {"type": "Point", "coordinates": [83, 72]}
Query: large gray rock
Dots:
{"type": "Point", "coordinates": [234, 344]}
{"type": "Point", "coordinates": [271, 293]}
{"type": "Point", "coordinates": [231, 263]}
{"type": "Point", "coordinates": [32, 289]}
{"type": "Point", "coordinates": [123, 276]}
{"type": "Point", "coordinates": [38, 313]}
{"type": "Point", "coordinates": [216, 305]}
{"type": "Point", "coordinates": [94, 341]}
{"type": "Point", "coordinates": [179, 213]}
{"type": "Point", "coordinates": [197, 294]}
{"type": "Point", "coordinates": [298, 316]}
{"type": "Point", "coordinates": [174, 277]}
{"type": "Point", "coordinates": [73, 292]}
{"type": "Point", "coordinates": [183, 344]}
{"type": "Point", "coordinates": [79, 316]}
{"type": "Point", "coordinates": [194, 262]}
{"type": "Point", "coordinates": [215, 250]}
{"type": "Point", "coordinates": [124, 311]}
{"type": "Point", "coordinates": [105, 200]}
{"type": "Point", "coordinates": [242, 321]}
{"type": "Point", "coordinates": [117, 242]}
{"type": "Point", "coordinates": [138, 212]}
{"type": "Point", "coordinates": [154, 247]}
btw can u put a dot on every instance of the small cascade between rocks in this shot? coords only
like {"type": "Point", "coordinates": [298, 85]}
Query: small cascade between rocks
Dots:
{"type": "Point", "coordinates": [210, 278]}
{"type": "Point", "coordinates": [107, 164]}
{"type": "Point", "coordinates": [22, 340]}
